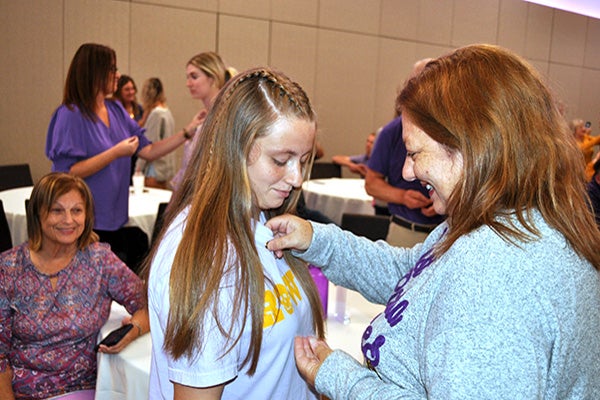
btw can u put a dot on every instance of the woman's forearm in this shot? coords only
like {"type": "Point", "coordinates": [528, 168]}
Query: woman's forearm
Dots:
{"type": "Point", "coordinates": [6, 390]}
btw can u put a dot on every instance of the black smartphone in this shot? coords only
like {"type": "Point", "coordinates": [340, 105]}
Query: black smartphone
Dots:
{"type": "Point", "coordinates": [588, 124]}
{"type": "Point", "coordinates": [115, 336]}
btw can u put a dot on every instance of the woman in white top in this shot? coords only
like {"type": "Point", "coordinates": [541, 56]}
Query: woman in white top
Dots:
{"type": "Point", "coordinates": [159, 124]}
{"type": "Point", "coordinates": [224, 310]}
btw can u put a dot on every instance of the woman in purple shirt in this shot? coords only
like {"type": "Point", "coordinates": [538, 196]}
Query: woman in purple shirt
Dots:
{"type": "Point", "coordinates": [94, 138]}
{"type": "Point", "coordinates": [55, 295]}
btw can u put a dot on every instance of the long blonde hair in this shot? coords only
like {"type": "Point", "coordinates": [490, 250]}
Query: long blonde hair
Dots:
{"type": "Point", "coordinates": [219, 226]}
{"type": "Point", "coordinates": [519, 155]}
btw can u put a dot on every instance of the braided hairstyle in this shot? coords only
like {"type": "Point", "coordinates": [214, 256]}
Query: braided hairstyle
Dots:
{"type": "Point", "coordinates": [218, 240]}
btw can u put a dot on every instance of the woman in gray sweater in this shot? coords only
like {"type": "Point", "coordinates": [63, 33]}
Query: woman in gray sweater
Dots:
{"type": "Point", "coordinates": [501, 301]}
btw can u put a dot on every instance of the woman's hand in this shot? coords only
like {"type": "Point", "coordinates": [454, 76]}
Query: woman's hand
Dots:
{"type": "Point", "coordinates": [290, 232]}
{"type": "Point", "coordinates": [310, 353]}
{"type": "Point", "coordinates": [196, 121]}
{"type": "Point", "coordinates": [127, 147]}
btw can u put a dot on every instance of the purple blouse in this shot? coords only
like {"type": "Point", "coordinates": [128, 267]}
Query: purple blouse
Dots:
{"type": "Point", "coordinates": [47, 336]}
{"type": "Point", "coordinates": [72, 138]}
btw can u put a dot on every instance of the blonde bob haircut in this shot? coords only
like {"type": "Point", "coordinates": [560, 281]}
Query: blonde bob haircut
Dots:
{"type": "Point", "coordinates": [218, 239]}
{"type": "Point", "coordinates": [492, 107]}
{"type": "Point", "coordinates": [45, 193]}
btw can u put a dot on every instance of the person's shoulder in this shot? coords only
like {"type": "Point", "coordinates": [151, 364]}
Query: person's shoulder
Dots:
{"type": "Point", "coordinates": [97, 250]}
{"type": "Point", "coordinates": [13, 258]}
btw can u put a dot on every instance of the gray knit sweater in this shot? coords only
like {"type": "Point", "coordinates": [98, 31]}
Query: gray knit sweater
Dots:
{"type": "Point", "coordinates": [487, 320]}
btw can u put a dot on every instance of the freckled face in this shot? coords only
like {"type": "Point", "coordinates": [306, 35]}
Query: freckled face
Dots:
{"type": "Point", "coordinates": [198, 83]}
{"type": "Point", "coordinates": [276, 161]}
{"type": "Point", "coordinates": [65, 220]}
{"type": "Point", "coordinates": [431, 163]}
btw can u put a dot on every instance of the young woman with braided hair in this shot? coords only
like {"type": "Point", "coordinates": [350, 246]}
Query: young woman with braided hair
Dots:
{"type": "Point", "coordinates": [224, 309]}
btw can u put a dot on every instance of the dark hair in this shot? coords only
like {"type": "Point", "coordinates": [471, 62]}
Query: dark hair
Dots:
{"type": "Point", "coordinates": [45, 192]}
{"type": "Point", "coordinates": [90, 73]}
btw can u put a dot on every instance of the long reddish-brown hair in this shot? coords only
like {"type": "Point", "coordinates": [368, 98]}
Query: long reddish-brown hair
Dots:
{"type": "Point", "coordinates": [519, 155]}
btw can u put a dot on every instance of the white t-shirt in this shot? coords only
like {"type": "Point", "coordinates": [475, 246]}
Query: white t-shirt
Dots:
{"type": "Point", "coordinates": [276, 375]}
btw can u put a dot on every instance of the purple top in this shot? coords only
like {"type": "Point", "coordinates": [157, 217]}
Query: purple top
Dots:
{"type": "Point", "coordinates": [47, 336]}
{"type": "Point", "coordinates": [359, 159]}
{"type": "Point", "coordinates": [387, 158]}
{"type": "Point", "coordinates": [72, 138]}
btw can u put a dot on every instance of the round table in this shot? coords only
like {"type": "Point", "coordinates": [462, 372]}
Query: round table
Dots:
{"type": "Point", "coordinates": [142, 210]}
{"type": "Point", "coordinates": [336, 196]}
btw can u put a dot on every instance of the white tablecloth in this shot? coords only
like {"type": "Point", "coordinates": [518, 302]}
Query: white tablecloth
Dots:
{"type": "Point", "coordinates": [334, 197]}
{"type": "Point", "coordinates": [142, 210]}
{"type": "Point", "coordinates": [126, 375]}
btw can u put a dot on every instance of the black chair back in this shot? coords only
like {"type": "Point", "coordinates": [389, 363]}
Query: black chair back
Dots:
{"type": "Point", "coordinates": [374, 227]}
{"type": "Point", "coordinates": [322, 170]}
{"type": "Point", "coordinates": [5, 239]}
{"type": "Point", "coordinates": [14, 176]}
{"type": "Point", "coordinates": [159, 221]}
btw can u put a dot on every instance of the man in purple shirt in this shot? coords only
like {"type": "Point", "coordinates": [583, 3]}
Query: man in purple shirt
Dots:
{"type": "Point", "coordinates": [411, 210]}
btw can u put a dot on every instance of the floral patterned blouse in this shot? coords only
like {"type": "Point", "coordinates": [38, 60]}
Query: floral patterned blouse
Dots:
{"type": "Point", "coordinates": [47, 335]}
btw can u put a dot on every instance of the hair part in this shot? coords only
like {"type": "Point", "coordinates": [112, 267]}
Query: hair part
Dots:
{"type": "Point", "coordinates": [43, 196]}
{"type": "Point", "coordinates": [218, 239]}
{"type": "Point", "coordinates": [519, 156]}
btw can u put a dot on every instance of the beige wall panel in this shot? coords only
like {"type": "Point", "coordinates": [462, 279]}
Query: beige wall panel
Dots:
{"type": "Point", "coordinates": [539, 30]}
{"type": "Point", "coordinates": [422, 21]}
{"type": "Point", "coordinates": [201, 5]}
{"type": "Point", "coordinates": [588, 100]}
{"type": "Point", "coordinates": [431, 51]}
{"type": "Point", "coordinates": [568, 38]}
{"type": "Point", "coordinates": [345, 89]}
{"type": "Point", "coordinates": [565, 81]}
{"type": "Point", "coordinates": [435, 22]}
{"type": "Point", "coordinates": [350, 15]}
{"type": "Point", "coordinates": [589, 107]}
{"type": "Point", "coordinates": [164, 39]}
{"type": "Point", "coordinates": [592, 44]}
{"type": "Point", "coordinates": [300, 12]}
{"type": "Point", "coordinates": [105, 22]}
{"type": "Point", "coordinates": [31, 81]}
{"type": "Point", "coordinates": [243, 42]}
{"type": "Point", "coordinates": [246, 8]}
{"type": "Point", "coordinates": [512, 25]}
{"type": "Point", "coordinates": [395, 60]}
{"type": "Point", "coordinates": [475, 21]}
{"type": "Point", "coordinates": [400, 19]}
{"type": "Point", "coordinates": [294, 51]}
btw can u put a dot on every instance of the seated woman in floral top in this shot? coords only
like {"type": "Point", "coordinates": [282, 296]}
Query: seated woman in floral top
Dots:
{"type": "Point", "coordinates": [55, 295]}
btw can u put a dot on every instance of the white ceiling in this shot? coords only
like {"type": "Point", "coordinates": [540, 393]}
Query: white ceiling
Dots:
{"type": "Point", "coordinates": [591, 8]}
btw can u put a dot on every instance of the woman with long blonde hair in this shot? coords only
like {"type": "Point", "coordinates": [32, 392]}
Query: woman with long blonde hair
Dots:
{"type": "Point", "coordinates": [224, 309]}
{"type": "Point", "coordinates": [205, 75]}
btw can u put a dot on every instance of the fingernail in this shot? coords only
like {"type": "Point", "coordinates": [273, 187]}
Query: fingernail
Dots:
{"type": "Point", "coordinates": [267, 245]}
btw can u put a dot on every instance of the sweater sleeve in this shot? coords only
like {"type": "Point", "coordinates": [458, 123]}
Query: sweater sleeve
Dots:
{"type": "Point", "coordinates": [357, 263]}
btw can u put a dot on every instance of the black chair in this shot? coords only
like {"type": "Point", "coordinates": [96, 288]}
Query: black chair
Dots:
{"type": "Point", "coordinates": [14, 176]}
{"type": "Point", "coordinates": [374, 227]}
{"type": "Point", "coordinates": [322, 170]}
{"type": "Point", "coordinates": [129, 243]}
{"type": "Point", "coordinates": [159, 221]}
{"type": "Point", "coordinates": [5, 239]}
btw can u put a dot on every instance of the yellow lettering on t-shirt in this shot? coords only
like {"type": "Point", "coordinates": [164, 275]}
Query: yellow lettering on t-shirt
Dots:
{"type": "Point", "coordinates": [283, 294]}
